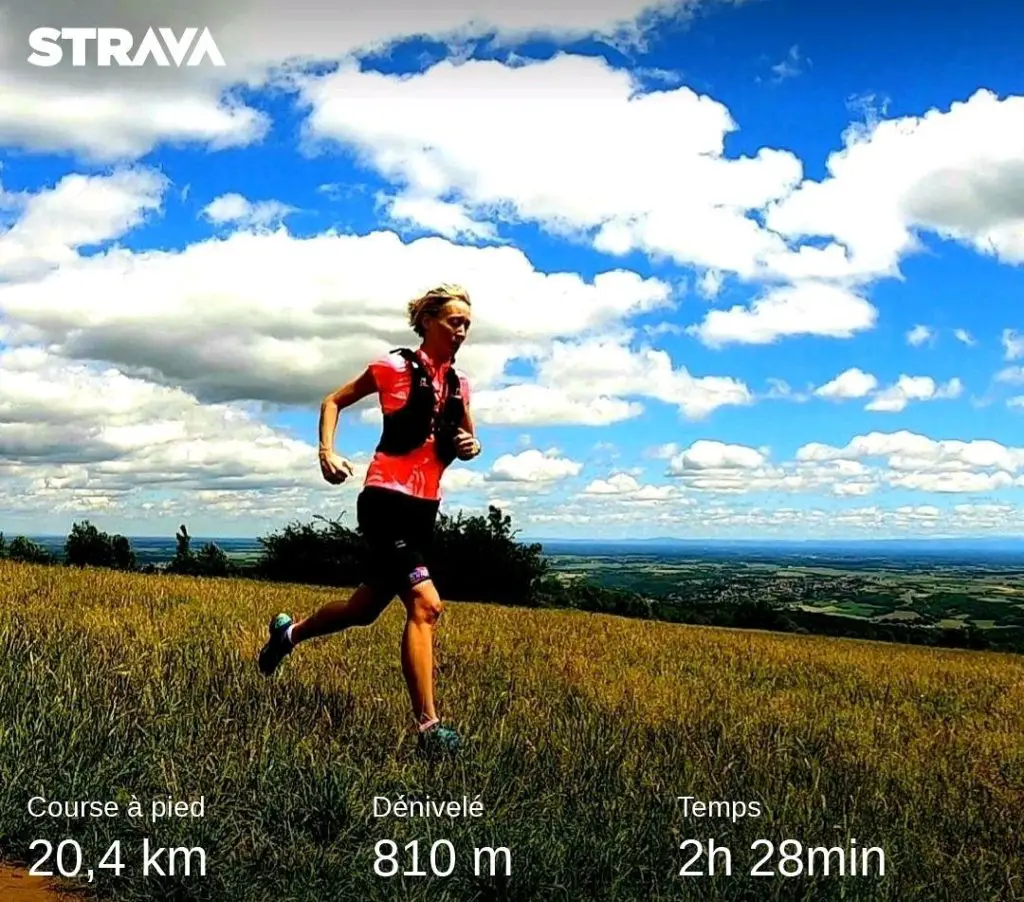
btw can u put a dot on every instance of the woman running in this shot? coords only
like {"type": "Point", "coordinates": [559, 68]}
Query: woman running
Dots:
{"type": "Point", "coordinates": [427, 424]}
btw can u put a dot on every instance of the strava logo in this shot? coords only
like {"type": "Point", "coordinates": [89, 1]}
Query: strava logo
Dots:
{"type": "Point", "coordinates": [116, 47]}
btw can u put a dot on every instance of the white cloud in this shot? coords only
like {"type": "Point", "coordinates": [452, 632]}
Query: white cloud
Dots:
{"type": "Point", "coordinates": [953, 482]}
{"type": "Point", "coordinates": [616, 484]}
{"type": "Point", "coordinates": [825, 242]}
{"type": "Point", "coordinates": [1013, 375]}
{"type": "Point", "coordinates": [441, 134]}
{"type": "Point", "coordinates": [711, 455]}
{"type": "Point", "coordinates": [710, 284]}
{"type": "Point", "coordinates": [77, 438]}
{"type": "Point", "coordinates": [609, 367]}
{"type": "Point", "coordinates": [965, 336]}
{"type": "Point", "coordinates": [802, 309]}
{"type": "Point", "coordinates": [461, 479]}
{"type": "Point", "coordinates": [238, 210]}
{"type": "Point", "coordinates": [852, 383]}
{"type": "Point", "coordinates": [908, 452]}
{"type": "Point", "coordinates": [919, 335]}
{"type": "Point", "coordinates": [533, 466]}
{"type": "Point", "coordinates": [913, 388]}
{"type": "Point", "coordinates": [539, 404]}
{"type": "Point", "coordinates": [214, 320]}
{"type": "Point", "coordinates": [791, 65]}
{"type": "Point", "coordinates": [80, 211]}
{"type": "Point", "coordinates": [1013, 344]}
{"type": "Point", "coordinates": [447, 219]}
{"type": "Point", "coordinates": [779, 389]}
{"type": "Point", "coordinates": [953, 172]}
{"type": "Point", "coordinates": [95, 113]}
{"type": "Point", "coordinates": [663, 452]}
{"type": "Point", "coordinates": [727, 520]}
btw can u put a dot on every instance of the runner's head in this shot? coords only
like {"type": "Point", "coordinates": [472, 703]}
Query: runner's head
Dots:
{"type": "Point", "coordinates": [441, 317]}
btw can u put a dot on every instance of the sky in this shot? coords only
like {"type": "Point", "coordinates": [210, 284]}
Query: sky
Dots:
{"type": "Point", "coordinates": [744, 269]}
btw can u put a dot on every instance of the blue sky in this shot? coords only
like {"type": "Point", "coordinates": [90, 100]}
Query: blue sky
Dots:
{"type": "Point", "coordinates": [755, 272]}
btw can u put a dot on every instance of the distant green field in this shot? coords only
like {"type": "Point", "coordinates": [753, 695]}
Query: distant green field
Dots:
{"type": "Point", "coordinates": [946, 598]}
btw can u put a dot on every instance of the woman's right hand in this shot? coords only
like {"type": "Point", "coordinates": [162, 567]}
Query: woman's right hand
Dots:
{"type": "Point", "coordinates": [335, 468]}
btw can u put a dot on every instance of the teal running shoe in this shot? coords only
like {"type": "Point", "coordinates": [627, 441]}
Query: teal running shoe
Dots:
{"type": "Point", "coordinates": [277, 647]}
{"type": "Point", "coordinates": [439, 740]}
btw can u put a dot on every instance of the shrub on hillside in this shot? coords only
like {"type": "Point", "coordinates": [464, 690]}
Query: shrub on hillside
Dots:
{"type": "Point", "coordinates": [303, 553]}
{"type": "Point", "coordinates": [478, 559]}
{"type": "Point", "coordinates": [86, 546]}
{"type": "Point", "coordinates": [473, 558]}
{"type": "Point", "coordinates": [210, 561]}
{"type": "Point", "coordinates": [25, 550]}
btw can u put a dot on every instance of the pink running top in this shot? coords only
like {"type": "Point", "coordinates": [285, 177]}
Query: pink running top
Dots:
{"type": "Point", "coordinates": [419, 472]}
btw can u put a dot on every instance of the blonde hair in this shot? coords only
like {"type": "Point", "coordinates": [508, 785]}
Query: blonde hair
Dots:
{"type": "Point", "coordinates": [432, 302]}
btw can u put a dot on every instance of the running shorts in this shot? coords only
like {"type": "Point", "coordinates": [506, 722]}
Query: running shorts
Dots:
{"type": "Point", "coordinates": [399, 530]}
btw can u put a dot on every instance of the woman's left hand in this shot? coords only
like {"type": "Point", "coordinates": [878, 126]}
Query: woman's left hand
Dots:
{"type": "Point", "coordinates": [466, 445]}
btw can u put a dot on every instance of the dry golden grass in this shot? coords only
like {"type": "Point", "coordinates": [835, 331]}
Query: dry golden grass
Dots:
{"type": "Point", "coordinates": [583, 729]}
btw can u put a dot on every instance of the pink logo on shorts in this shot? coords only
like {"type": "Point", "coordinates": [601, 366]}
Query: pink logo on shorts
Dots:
{"type": "Point", "coordinates": [418, 575]}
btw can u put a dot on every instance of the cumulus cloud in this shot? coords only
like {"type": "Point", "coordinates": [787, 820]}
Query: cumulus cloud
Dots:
{"type": "Point", "coordinates": [710, 284]}
{"type": "Point", "coordinates": [78, 212]}
{"type": "Point", "coordinates": [917, 462]}
{"type": "Point", "coordinates": [75, 437]}
{"type": "Point", "coordinates": [1013, 344]}
{"type": "Point", "coordinates": [488, 160]}
{"type": "Point", "coordinates": [913, 388]}
{"type": "Point", "coordinates": [541, 404]}
{"type": "Point", "coordinates": [447, 219]}
{"type": "Point", "coordinates": [804, 309]}
{"type": "Point", "coordinates": [731, 520]}
{"type": "Point", "coordinates": [954, 172]}
{"type": "Point", "coordinates": [855, 383]}
{"type": "Point", "coordinates": [235, 209]}
{"type": "Point", "coordinates": [908, 461]}
{"type": "Point", "coordinates": [852, 383]}
{"type": "Point", "coordinates": [964, 336]}
{"type": "Point", "coordinates": [711, 455]}
{"type": "Point", "coordinates": [1012, 375]}
{"type": "Point", "coordinates": [461, 479]}
{"type": "Point", "coordinates": [610, 367]}
{"type": "Point", "coordinates": [616, 484]}
{"type": "Point", "coordinates": [95, 112]}
{"type": "Point", "coordinates": [533, 466]}
{"type": "Point", "coordinates": [270, 317]}
{"type": "Point", "coordinates": [919, 335]}
{"type": "Point", "coordinates": [892, 180]}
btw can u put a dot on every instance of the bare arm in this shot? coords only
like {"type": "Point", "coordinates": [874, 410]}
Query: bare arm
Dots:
{"type": "Point", "coordinates": [345, 396]}
{"type": "Point", "coordinates": [468, 445]}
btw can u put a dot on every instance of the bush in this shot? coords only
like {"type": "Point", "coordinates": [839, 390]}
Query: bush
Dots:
{"type": "Point", "coordinates": [86, 546]}
{"type": "Point", "coordinates": [478, 559]}
{"type": "Point", "coordinates": [210, 561]}
{"type": "Point", "coordinates": [27, 551]}
{"type": "Point", "coordinates": [304, 554]}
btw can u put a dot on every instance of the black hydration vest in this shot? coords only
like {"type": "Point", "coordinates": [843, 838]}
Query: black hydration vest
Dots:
{"type": "Point", "coordinates": [409, 427]}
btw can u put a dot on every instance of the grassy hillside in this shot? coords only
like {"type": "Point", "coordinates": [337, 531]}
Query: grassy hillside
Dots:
{"type": "Point", "coordinates": [583, 729]}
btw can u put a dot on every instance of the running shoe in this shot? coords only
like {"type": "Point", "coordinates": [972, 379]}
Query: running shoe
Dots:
{"type": "Point", "coordinates": [439, 740]}
{"type": "Point", "coordinates": [278, 646]}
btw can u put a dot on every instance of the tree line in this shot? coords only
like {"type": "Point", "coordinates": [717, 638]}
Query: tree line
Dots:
{"type": "Point", "coordinates": [474, 558]}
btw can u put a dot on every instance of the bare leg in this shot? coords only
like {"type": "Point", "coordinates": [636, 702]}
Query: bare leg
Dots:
{"type": "Point", "coordinates": [361, 608]}
{"type": "Point", "coordinates": [423, 607]}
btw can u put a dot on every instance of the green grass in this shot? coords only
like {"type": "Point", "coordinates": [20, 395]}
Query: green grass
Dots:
{"type": "Point", "coordinates": [582, 731]}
